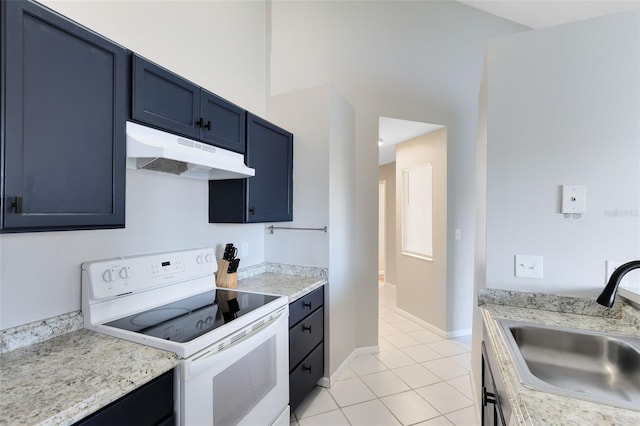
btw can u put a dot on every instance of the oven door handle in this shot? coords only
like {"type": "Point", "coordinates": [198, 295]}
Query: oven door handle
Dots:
{"type": "Point", "coordinates": [208, 359]}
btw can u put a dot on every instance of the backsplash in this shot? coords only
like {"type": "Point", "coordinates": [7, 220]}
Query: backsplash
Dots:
{"type": "Point", "coordinates": [39, 331]}
{"type": "Point", "coordinates": [548, 302]}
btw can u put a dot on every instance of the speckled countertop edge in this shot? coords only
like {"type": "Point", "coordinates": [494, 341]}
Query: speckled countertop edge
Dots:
{"type": "Point", "coordinates": [292, 286]}
{"type": "Point", "coordinates": [530, 407]}
{"type": "Point", "coordinates": [66, 378]}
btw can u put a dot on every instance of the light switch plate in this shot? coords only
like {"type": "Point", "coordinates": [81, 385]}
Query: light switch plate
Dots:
{"type": "Point", "coordinates": [527, 266]}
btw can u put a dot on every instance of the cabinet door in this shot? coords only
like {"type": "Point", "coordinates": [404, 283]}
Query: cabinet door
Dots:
{"type": "Point", "coordinates": [223, 123]}
{"type": "Point", "coordinates": [270, 191]}
{"type": "Point", "coordinates": [165, 100]}
{"type": "Point", "coordinates": [65, 106]}
{"type": "Point", "coordinates": [151, 404]}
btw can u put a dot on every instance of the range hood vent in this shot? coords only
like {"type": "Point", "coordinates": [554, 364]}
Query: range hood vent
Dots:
{"type": "Point", "coordinates": [152, 149]}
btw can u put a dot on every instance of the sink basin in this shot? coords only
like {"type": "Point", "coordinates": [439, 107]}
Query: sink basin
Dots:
{"type": "Point", "coordinates": [589, 365]}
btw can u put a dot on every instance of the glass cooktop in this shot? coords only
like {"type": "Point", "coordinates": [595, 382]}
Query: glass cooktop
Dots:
{"type": "Point", "coordinates": [189, 318]}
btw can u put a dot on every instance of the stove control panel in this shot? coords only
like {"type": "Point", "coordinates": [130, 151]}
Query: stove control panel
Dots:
{"type": "Point", "coordinates": [125, 275]}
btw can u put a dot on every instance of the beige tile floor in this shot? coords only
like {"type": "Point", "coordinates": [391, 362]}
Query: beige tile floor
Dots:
{"type": "Point", "coordinates": [418, 378]}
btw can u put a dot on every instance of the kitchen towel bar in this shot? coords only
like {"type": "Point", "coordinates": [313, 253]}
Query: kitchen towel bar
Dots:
{"type": "Point", "coordinates": [271, 228]}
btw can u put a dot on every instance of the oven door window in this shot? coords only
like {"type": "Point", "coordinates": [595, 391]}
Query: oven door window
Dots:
{"type": "Point", "coordinates": [245, 383]}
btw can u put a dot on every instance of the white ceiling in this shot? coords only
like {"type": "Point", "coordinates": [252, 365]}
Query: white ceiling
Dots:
{"type": "Point", "coordinates": [546, 13]}
{"type": "Point", "coordinates": [393, 131]}
{"type": "Point", "coordinates": [534, 14]}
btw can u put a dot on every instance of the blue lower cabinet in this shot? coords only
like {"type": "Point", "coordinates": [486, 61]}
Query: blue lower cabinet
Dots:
{"type": "Point", "coordinates": [152, 404]}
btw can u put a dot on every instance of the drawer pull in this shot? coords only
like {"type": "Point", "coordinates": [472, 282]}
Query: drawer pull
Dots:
{"type": "Point", "coordinates": [306, 304]}
{"type": "Point", "coordinates": [307, 368]}
{"type": "Point", "coordinates": [306, 328]}
{"type": "Point", "coordinates": [488, 397]}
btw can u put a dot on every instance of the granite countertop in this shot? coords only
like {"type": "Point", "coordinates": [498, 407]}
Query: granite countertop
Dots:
{"type": "Point", "coordinates": [292, 286]}
{"type": "Point", "coordinates": [530, 407]}
{"type": "Point", "coordinates": [54, 372]}
{"type": "Point", "coordinates": [66, 378]}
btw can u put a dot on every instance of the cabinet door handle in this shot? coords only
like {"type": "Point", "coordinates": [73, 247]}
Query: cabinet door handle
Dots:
{"type": "Point", "coordinates": [306, 305]}
{"type": "Point", "coordinates": [306, 328]}
{"type": "Point", "coordinates": [16, 204]}
{"type": "Point", "coordinates": [252, 210]}
{"type": "Point", "coordinates": [200, 123]}
{"type": "Point", "coordinates": [488, 397]}
{"type": "Point", "coordinates": [307, 368]}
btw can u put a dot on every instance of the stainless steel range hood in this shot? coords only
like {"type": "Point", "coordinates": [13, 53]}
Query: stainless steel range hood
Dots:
{"type": "Point", "coordinates": [152, 149]}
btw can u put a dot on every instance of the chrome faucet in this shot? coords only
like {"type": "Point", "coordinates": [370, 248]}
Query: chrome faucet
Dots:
{"type": "Point", "coordinates": [609, 293]}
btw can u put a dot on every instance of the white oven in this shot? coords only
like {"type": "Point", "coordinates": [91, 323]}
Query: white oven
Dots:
{"type": "Point", "coordinates": [233, 345]}
{"type": "Point", "coordinates": [245, 383]}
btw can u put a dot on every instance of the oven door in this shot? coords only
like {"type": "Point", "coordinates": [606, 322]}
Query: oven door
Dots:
{"type": "Point", "coordinates": [246, 383]}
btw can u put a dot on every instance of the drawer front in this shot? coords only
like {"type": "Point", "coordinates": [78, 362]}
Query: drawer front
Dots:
{"type": "Point", "coordinates": [304, 336]}
{"type": "Point", "coordinates": [305, 305]}
{"type": "Point", "coordinates": [305, 376]}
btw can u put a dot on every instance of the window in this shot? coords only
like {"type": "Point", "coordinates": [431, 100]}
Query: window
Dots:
{"type": "Point", "coordinates": [417, 221]}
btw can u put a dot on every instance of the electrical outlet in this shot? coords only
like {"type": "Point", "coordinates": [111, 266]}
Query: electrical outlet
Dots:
{"type": "Point", "coordinates": [528, 266]}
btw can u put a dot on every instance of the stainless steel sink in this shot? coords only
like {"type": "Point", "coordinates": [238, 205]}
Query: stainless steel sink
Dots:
{"type": "Point", "coordinates": [589, 365]}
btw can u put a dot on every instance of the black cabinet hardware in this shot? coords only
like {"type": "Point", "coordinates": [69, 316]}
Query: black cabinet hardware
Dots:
{"type": "Point", "coordinates": [200, 123]}
{"type": "Point", "coordinates": [16, 204]}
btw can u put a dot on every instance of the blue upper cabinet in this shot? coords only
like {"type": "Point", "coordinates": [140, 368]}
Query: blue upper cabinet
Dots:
{"type": "Point", "coordinates": [169, 102]}
{"type": "Point", "coordinates": [165, 100]}
{"type": "Point", "coordinates": [223, 123]}
{"type": "Point", "coordinates": [267, 196]}
{"type": "Point", "coordinates": [270, 152]}
{"type": "Point", "coordinates": [64, 107]}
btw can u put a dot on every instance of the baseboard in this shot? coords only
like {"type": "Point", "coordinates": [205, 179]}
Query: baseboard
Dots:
{"type": "Point", "coordinates": [367, 350]}
{"type": "Point", "coordinates": [433, 328]}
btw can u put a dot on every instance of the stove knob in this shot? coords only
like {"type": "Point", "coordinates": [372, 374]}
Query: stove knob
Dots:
{"type": "Point", "coordinates": [124, 273]}
{"type": "Point", "coordinates": [200, 324]}
{"type": "Point", "coordinates": [208, 258]}
{"type": "Point", "coordinates": [200, 259]}
{"type": "Point", "coordinates": [208, 320]}
{"type": "Point", "coordinates": [107, 276]}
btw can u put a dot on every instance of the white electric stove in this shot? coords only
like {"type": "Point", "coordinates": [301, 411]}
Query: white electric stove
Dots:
{"type": "Point", "coordinates": [233, 344]}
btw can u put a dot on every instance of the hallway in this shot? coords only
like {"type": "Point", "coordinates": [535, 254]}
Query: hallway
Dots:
{"type": "Point", "coordinates": [418, 378]}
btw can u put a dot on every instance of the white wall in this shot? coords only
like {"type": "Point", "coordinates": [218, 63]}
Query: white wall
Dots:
{"type": "Point", "coordinates": [324, 192]}
{"type": "Point", "coordinates": [219, 45]}
{"type": "Point", "coordinates": [387, 172]}
{"type": "Point", "coordinates": [558, 106]}
{"type": "Point", "coordinates": [564, 108]}
{"type": "Point", "coordinates": [305, 113]}
{"type": "Point", "coordinates": [422, 284]}
{"type": "Point", "coordinates": [418, 61]}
